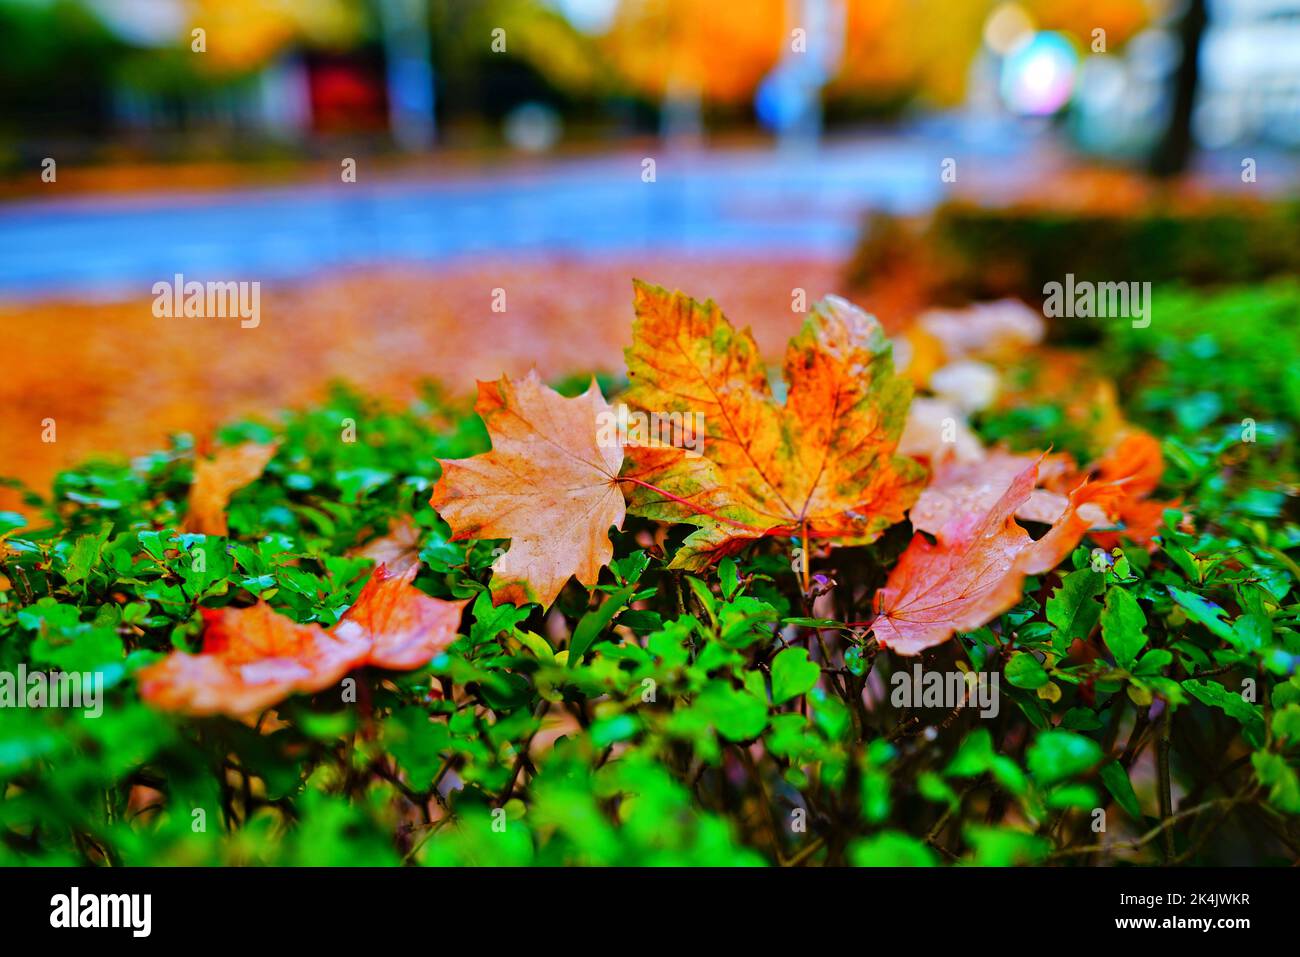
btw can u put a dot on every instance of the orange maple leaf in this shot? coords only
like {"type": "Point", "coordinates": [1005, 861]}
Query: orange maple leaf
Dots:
{"type": "Point", "coordinates": [253, 658]}
{"type": "Point", "coordinates": [821, 465]}
{"type": "Point", "coordinates": [960, 488]}
{"type": "Point", "coordinates": [399, 549]}
{"type": "Point", "coordinates": [216, 479]}
{"type": "Point", "coordinates": [548, 484]}
{"type": "Point", "coordinates": [1135, 465]}
{"type": "Point", "coordinates": [405, 628]}
{"type": "Point", "coordinates": [975, 570]}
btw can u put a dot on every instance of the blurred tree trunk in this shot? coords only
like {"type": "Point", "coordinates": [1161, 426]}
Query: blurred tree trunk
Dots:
{"type": "Point", "coordinates": [1174, 149]}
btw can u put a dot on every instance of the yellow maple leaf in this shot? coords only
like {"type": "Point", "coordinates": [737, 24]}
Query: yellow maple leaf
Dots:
{"type": "Point", "coordinates": [219, 477]}
{"type": "Point", "coordinates": [820, 466]}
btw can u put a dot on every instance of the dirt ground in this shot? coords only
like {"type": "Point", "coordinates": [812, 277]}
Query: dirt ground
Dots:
{"type": "Point", "coordinates": [117, 380]}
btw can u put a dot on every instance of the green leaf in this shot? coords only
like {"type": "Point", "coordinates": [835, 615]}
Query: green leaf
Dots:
{"type": "Point", "coordinates": [1203, 610]}
{"type": "Point", "coordinates": [705, 597]}
{"type": "Point", "coordinates": [1072, 607]}
{"type": "Point", "coordinates": [1230, 702]}
{"type": "Point", "coordinates": [793, 674]}
{"type": "Point", "coordinates": [1004, 847]}
{"type": "Point", "coordinates": [1023, 670]}
{"type": "Point", "coordinates": [1057, 754]}
{"type": "Point", "coordinates": [1120, 787]}
{"type": "Point", "coordinates": [490, 620]}
{"type": "Point", "coordinates": [629, 570]}
{"type": "Point", "coordinates": [728, 577]}
{"type": "Point", "coordinates": [1079, 797]}
{"type": "Point", "coordinates": [85, 553]}
{"type": "Point", "coordinates": [1286, 723]}
{"type": "Point", "coordinates": [1281, 780]}
{"type": "Point", "coordinates": [535, 643]}
{"type": "Point", "coordinates": [1122, 627]}
{"type": "Point", "coordinates": [744, 621]}
{"type": "Point", "coordinates": [737, 715]}
{"type": "Point", "coordinates": [419, 744]}
{"type": "Point", "coordinates": [814, 622]}
{"type": "Point", "coordinates": [593, 623]}
{"type": "Point", "coordinates": [891, 849]}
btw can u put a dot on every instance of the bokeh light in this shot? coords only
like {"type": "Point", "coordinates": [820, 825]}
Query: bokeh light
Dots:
{"type": "Point", "coordinates": [1038, 74]}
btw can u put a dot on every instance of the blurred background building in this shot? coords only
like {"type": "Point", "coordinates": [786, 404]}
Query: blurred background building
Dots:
{"type": "Point", "coordinates": [176, 77]}
{"type": "Point", "coordinates": [519, 126]}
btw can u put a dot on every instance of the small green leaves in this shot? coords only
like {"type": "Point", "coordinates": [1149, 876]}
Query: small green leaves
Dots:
{"type": "Point", "coordinates": [729, 578]}
{"type": "Point", "coordinates": [704, 596]}
{"type": "Point", "coordinates": [976, 756]}
{"type": "Point", "coordinates": [1004, 847]}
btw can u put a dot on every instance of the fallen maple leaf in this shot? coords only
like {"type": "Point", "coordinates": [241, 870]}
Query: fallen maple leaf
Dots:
{"type": "Point", "coordinates": [398, 550]}
{"type": "Point", "coordinates": [820, 466]}
{"type": "Point", "coordinates": [976, 568]}
{"type": "Point", "coordinates": [973, 487]}
{"type": "Point", "coordinates": [216, 479]}
{"type": "Point", "coordinates": [1005, 328]}
{"type": "Point", "coordinates": [548, 485]}
{"type": "Point", "coordinates": [1135, 465]}
{"type": "Point", "coordinates": [253, 658]}
{"type": "Point", "coordinates": [936, 431]}
{"type": "Point", "coordinates": [404, 627]}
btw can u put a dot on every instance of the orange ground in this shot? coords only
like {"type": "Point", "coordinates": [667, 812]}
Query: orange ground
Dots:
{"type": "Point", "coordinates": [117, 380]}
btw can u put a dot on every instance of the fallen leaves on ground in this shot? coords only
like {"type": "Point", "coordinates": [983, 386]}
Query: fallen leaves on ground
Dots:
{"type": "Point", "coordinates": [1135, 465]}
{"type": "Point", "coordinates": [219, 477]}
{"type": "Point", "coordinates": [548, 485]}
{"type": "Point", "coordinates": [398, 550]}
{"type": "Point", "coordinates": [975, 570]}
{"type": "Point", "coordinates": [821, 465]}
{"type": "Point", "coordinates": [403, 626]}
{"type": "Point", "coordinates": [973, 487]}
{"type": "Point", "coordinates": [130, 401]}
{"type": "Point", "coordinates": [1002, 329]}
{"type": "Point", "coordinates": [254, 657]}
{"type": "Point", "coordinates": [937, 429]}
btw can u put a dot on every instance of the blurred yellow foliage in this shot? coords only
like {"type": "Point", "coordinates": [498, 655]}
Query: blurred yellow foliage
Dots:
{"type": "Point", "coordinates": [724, 48]}
{"type": "Point", "coordinates": [720, 49]}
{"type": "Point", "coordinates": [243, 34]}
{"type": "Point", "coordinates": [1121, 19]}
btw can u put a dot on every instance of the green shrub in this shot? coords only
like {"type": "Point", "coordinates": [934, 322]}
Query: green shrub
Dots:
{"type": "Point", "coordinates": [708, 720]}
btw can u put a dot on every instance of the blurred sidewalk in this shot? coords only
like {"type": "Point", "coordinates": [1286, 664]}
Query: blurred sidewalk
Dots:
{"type": "Point", "coordinates": [738, 201]}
